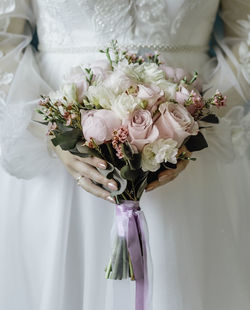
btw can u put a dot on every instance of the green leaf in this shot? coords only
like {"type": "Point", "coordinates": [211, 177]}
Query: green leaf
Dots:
{"type": "Point", "coordinates": [168, 165]}
{"type": "Point", "coordinates": [127, 150]}
{"type": "Point", "coordinates": [105, 172]}
{"type": "Point", "coordinates": [196, 143]}
{"type": "Point", "coordinates": [68, 139]}
{"type": "Point", "coordinates": [43, 123]}
{"type": "Point", "coordinates": [135, 161]}
{"type": "Point", "coordinates": [129, 174]}
{"type": "Point", "coordinates": [211, 118]}
{"type": "Point", "coordinates": [85, 150]}
{"type": "Point", "coordinates": [142, 185]}
{"type": "Point", "coordinates": [112, 172]}
{"type": "Point", "coordinates": [122, 183]}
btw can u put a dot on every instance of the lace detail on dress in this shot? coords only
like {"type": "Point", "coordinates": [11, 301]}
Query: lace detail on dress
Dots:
{"type": "Point", "coordinates": [136, 22]}
{"type": "Point", "coordinates": [145, 21]}
{"type": "Point", "coordinates": [132, 19]}
{"type": "Point", "coordinates": [187, 7]}
{"type": "Point", "coordinates": [112, 17]}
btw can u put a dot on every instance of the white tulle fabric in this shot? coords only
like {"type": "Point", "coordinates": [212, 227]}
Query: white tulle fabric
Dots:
{"type": "Point", "coordinates": [54, 237]}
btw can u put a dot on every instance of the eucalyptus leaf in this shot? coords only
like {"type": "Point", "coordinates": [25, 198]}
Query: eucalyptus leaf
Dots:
{"type": "Point", "coordinates": [112, 172]}
{"type": "Point", "coordinates": [142, 185]}
{"type": "Point", "coordinates": [67, 140]}
{"type": "Point", "coordinates": [105, 172]}
{"type": "Point", "coordinates": [127, 150]}
{"type": "Point", "coordinates": [135, 161]}
{"type": "Point", "coordinates": [122, 183]}
{"type": "Point", "coordinates": [85, 150]}
{"type": "Point", "coordinates": [129, 174]}
{"type": "Point", "coordinates": [43, 123]}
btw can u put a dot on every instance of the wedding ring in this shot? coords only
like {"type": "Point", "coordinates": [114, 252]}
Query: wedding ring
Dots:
{"type": "Point", "coordinates": [78, 179]}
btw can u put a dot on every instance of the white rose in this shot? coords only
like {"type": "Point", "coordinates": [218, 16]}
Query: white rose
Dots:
{"type": "Point", "coordinates": [124, 105]}
{"type": "Point", "coordinates": [118, 82]}
{"type": "Point", "coordinates": [162, 150]}
{"type": "Point", "coordinates": [100, 95]}
{"type": "Point", "coordinates": [70, 92]}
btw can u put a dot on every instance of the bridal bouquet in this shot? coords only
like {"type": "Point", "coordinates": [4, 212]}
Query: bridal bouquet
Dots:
{"type": "Point", "coordinates": [136, 113]}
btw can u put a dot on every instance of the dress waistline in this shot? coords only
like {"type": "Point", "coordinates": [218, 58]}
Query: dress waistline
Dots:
{"type": "Point", "coordinates": [129, 47]}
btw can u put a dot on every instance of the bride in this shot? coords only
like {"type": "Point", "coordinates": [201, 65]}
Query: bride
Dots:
{"type": "Point", "coordinates": [54, 235]}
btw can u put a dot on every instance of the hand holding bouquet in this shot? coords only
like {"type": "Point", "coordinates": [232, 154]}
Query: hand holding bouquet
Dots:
{"type": "Point", "coordinates": [136, 113]}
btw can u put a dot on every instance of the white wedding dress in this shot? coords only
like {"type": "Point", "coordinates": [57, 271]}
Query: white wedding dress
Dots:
{"type": "Point", "coordinates": [54, 237]}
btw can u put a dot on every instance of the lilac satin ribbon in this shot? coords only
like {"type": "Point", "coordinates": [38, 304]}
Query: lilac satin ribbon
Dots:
{"type": "Point", "coordinates": [131, 224]}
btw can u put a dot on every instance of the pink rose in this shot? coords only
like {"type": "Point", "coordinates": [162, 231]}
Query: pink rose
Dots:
{"type": "Point", "coordinates": [99, 125]}
{"type": "Point", "coordinates": [150, 93]}
{"type": "Point", "coordinates": [77, 77]}
{"type": "Point", "coordinates": [175, 74]}
{"type": "Point", "coordinates": [175, 122]}
{"type": "Point", "coordinates": [100, 68]}
{"type": "Point", "coordinates": [141, 129]}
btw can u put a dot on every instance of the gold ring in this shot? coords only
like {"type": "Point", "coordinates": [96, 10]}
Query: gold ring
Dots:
{"type": "Point", "coordinates": [78, 179]}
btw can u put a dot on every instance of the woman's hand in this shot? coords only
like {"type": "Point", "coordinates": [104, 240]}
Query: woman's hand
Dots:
{"type": "Point", "coordinates": [84, 171]}
{"type": "Point", "coordinates": [170, 174]}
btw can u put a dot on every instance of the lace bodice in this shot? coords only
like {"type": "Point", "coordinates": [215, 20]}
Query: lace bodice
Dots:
{"type": "Point", "coordinates": [82, 23]}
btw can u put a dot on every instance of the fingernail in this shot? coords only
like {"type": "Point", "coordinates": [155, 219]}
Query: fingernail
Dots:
{"type": "Point", "coordinates": [101, 165]}
{"type": "Point", "coordinates": [110, 199]}
{"type": "Point", "coordinates": [112, 186]}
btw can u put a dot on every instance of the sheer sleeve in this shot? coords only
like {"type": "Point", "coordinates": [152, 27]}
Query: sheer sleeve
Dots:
{"type": "Point", "coordinates": [24, 151]}
{"type": "Point", "coordinates": [232, 75]}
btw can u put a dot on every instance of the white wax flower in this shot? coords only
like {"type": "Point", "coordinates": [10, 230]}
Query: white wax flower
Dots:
{"type": "Point", "coordinates": [152, 74]}
{"type": "Point", "coordinates": [118, 81]}
{"type": "Point", "coordinates": [124, 105]}
{"type": "Point", "coordinates": [70, 92]}
{"type": "Point", "coordinates": [100, 95]}
{"type": "Point", "coordinates": [162, 150]}
{"type": "Point", "coordinates": [169, 88]}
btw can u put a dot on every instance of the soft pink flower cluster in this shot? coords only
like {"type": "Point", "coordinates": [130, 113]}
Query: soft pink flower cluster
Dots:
{"type": "Point", "coordinates": [145, 104]}
{"type": "Point", "coordinates": [151, 110]}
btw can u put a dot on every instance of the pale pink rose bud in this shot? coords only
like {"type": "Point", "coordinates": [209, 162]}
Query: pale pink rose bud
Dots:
{"type": "Point", "coordinates": [175, 122]}
{"type": "Point", "coordinates": [182, 95]}
{"type": "Point", "coordinates": [169, 71]}
{"type": "Point", "coordinates": [180, 74]}
{"type": "Point", "coordinates": [141, 129]}
{"type": "Point", "coordinates": [99, 125]}
{"type": "Point", "coordinates": [77, 77]}
{"type": "Point", "coordinates": [100, 69]}
{"type": "Point", "coordinates": [150, 93]}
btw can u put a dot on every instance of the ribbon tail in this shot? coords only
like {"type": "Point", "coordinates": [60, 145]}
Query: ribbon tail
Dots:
{"type": "Point", "coordinates": [144, 288]}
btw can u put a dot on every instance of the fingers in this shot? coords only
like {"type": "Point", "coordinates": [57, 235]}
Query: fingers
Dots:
{"type": "Point", "coordinates": [167, 176]}
{"type": "Point", "coordinates": [88, 186]}
{"type": "Point", "coordinates": [164, 178]}
{"type": "Point", "coordinates": [91, 173]}
{"type": "Point", "coordinates": [93, 161]}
